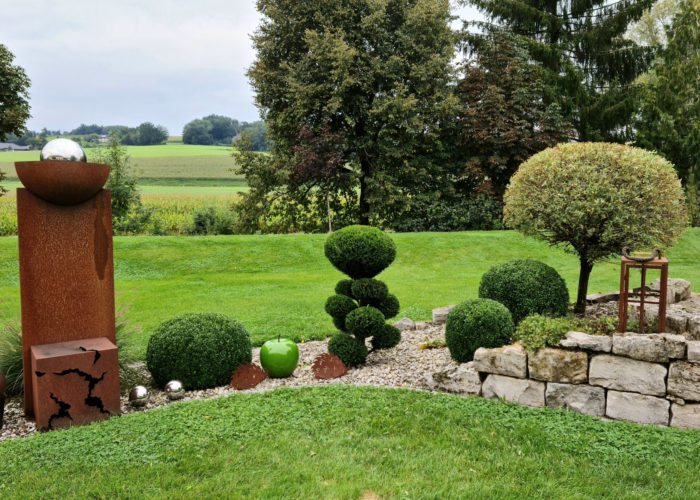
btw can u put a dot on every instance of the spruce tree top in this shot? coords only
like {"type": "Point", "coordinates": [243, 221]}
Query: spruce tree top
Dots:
{"type": "Point", "coordinates": [360, 251]}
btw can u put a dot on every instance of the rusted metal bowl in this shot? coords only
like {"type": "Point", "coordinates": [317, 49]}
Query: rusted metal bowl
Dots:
{"type": "Point", "coordinates": [62, 182]}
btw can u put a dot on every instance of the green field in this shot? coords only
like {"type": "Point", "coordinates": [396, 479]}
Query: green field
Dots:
{"type": "Point", "coordinates": [176, 161]}
{"type": "Point", "coordinates": [341, 442]}
{"type": "Point", "coordinates": [278, 284]}
{"type": "Point", "coordinates": [174, 188]}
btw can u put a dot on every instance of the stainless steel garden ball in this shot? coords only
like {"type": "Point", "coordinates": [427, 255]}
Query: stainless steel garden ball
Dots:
{"type": "Point", "coordinates": [62, 150]}
{"type": "Point", "coordinates": [139, 396]}
{"type": "Point", "coordinates": [174, 390]}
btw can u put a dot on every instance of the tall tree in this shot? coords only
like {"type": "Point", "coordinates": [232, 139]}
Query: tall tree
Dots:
{"type": "Point", "coordinates": [502, 118]}
{"type": "Point", "coordinates": [375, 72]}
{"type": "Point", "coordinates": [590, 67]}
{"type": "Point", "coordinates": [670, 109]}
{"type": "Point", "coordinates": [14, 99]}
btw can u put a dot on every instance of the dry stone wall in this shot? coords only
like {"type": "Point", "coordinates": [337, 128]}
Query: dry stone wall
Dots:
{"type": "Point", "coordinates": [648, 379]}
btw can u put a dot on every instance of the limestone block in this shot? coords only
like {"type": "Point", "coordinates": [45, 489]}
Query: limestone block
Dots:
{"type": "Point", "coordinates": [510, 360]}
{"type": "Point", "coordinates": [652, 347]}
{"type": "Point", "coordinates": [677, 321]}
{"type": "Point", "coordinates": [693, 327]}
{"type": "Point", "coordinates": [598, 298]}
{"type": "Point", "coordinates": [684, 380]}
{"type": "Point", "coordinates": [685, 417]}
{"type": "Point", "coordinates": [440, 314]}
{"type": "Point", "coordinates": [405, 324]}
{"type": "Point", "coordinates": [637, 408]}
{"type": "Point", "coordinates": [624, 374]}
{"type": "Point", "coordinates": [521, 391]}
{"type": "Point", "coordinates": [558, 365]}
{"type": "Point", "coordinates": [580, 340]}
{"type": "Point", "coordinates": [577, 397]}
{"type": "Point", "coordinates": [677, 289]}
{"type": "Point", "coordinates": [694, 351]}
{"type": "Point", "coordinates": [461, 379]}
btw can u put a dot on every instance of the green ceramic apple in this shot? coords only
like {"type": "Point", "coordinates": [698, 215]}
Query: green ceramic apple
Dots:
{"type": "Point", "coordinates": [279, 357]}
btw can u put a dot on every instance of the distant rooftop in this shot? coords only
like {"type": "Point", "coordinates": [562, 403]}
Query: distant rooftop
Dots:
{"type": "Point", "coordinates": [9, 146]}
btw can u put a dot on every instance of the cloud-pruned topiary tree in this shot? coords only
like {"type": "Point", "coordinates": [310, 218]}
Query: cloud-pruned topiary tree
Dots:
{"type": "Point", "coordinates": [595, 199]}
{"type": "Point", "coordinates": [362, 304]}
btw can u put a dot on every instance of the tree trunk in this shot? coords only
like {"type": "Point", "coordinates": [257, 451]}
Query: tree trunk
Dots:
{"type": "Point", "coordinates": [364, 203]}
{"type": "Point", "coordinates": [583, 276]}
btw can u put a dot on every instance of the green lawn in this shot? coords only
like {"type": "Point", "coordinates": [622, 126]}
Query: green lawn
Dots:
{"type": "Point", "coordinates": [343, 442]}
{"type": "Point", "coordinates": [278, 284]}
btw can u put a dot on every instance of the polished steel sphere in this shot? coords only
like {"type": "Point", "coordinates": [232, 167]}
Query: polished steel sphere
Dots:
{"type": "Point", "coordinates": [174, 390]}
{"type": "Point", "coordinates": [139, 396]}
{"type": "Point", "coordinates": [62, 150]}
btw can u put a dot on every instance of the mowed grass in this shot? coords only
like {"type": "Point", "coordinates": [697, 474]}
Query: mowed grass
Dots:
{"type": "Point", "coordinates": [167, 161]}
{"type": "Point", "coordinates": [342, 442]}
{"type": "Point", "coordinates": [278, 284]}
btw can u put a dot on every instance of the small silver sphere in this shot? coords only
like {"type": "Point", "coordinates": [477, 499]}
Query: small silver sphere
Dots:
{"type": "Point", "coordinates": [63, 150]}
{"type": "Point", "coordinates": [139, 396]}
{"type": "Point", "coordinates": [174, 390]}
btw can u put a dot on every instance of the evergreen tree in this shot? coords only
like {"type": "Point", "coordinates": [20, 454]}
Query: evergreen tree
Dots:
{"type": "Point", "coordinates": [590, 68]}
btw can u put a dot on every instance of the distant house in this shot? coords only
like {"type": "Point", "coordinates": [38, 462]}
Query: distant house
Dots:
{"type": "Point", "coordinates": [8, 146]}
{"type": "Point", "coordinates": [103, 138]}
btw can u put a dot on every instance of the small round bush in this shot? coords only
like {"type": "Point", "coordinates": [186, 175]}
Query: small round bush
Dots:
{"type": "Point", "coordinates": [369, 291]}
{"type": "Point", "coordinates": [387, 337]}
{"type": "Point", "coordinates": [477, 323]}
{"type": "Point", "coordinates": [360, 251]}
{"type": "Point", "coordinates": [339, 306]}
{"type": "Point", "coordinates": [348, 349]}
{"type": "Point", "coordinates": [199, 350]}
{"type": "Point", "coordinates": [364, 322]}
{"type": "Point", "coordinates": [344, 287]}
{"type": "Point", "coordinates": [389, 306]}
{"type": "Point", "coordinates": [526, 287]}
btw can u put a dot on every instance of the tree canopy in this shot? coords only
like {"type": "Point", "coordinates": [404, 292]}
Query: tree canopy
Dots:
{"type": "Point", "coordinates": [373, 75]}
{"type": "Point", "coordinates": [590, 68]}
{"type": "Point", "coordinates": [14, 95]}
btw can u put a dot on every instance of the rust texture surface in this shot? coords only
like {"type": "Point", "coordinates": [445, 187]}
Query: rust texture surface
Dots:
{"type": "Point", "coordinates": [327, 366]}
{"type": "Point", "coordinates": [62, 182]}
{"type": "Point", "coordinates": [629, 263]}
{"type": "Point", "coordinates": [247, 376]}
{"type": "Point", "coordinates": [66, 273]}
{"type": "Point", "coordinates": [75, 382]}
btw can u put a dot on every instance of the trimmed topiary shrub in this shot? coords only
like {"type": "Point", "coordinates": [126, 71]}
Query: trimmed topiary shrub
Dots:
{"type": "Point", "coordinates": [526, 287]}
{"type": "Point", "coordinates": [388, 336]}
{"type": "Point", "coordinates": [369, 291]}
{"type": "Point", "coordinates": [199, 350]}
{"type": "Point", "coordinates": [477, 323]}
{"type": "Point", "coordinates": [360, 251]}
{"type": "Point", "coordinates": [362, 304]}
{"type": "Point", "coordinates": [348, 349]}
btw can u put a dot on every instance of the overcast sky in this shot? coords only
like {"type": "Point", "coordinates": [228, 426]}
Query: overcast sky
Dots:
{"type": "Point", "coordinates": [129, 61]}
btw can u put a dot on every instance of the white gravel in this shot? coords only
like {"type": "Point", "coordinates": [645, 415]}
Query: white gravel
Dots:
{"type": "Point", "coordinates": [402, 366]}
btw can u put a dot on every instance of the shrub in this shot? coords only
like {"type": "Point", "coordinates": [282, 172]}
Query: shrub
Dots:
{"type": "Point", "coordinates": [362, 304]}
{"type": "Point", "coordinates": [387, 337]}
{"type": "Point", "coordinates": [477, 323]}
{"type": "Point", "coordinates": [344, 287]}
{"type": "Point", "coordinates": [389, 306]}
{"type": "Point", "coordinates": [339, 306]}
{"type": "Point", "coordinates": [364, 322]}
{"type": "Point", "coordinates": [11, 357]}
{"type": "Point", "coordinates": [536, 331]}
{"type": "Point", "coordinates": [526, 287]}
{"type": "Point", "coordinates": [369, 291]}
{"type": "Point", "coordinates": [360, 251]}
{"type": "Point", "coordinates": [212, 220]}
{"type": "Point", "coordinates": [461, 214]}
{"type": "Point", "coordinates": [348, 349]}
{"type": "Point", "coordinates": [595, 199]}
{"type": "Point", "coordinates": [199, 350]}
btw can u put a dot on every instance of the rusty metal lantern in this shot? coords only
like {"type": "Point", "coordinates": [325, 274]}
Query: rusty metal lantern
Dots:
{"type": "Point", "coordinates": [643, 261]}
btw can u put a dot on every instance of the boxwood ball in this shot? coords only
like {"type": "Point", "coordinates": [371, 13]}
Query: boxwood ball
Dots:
{"type": "Point", "coordinates": [62, 150]}
{"type": "Point", "coordinates": [360, 251]}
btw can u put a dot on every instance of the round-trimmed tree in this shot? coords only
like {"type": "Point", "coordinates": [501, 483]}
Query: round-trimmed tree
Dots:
{"type": "Point", "coordinates": [362, 304]}
{"type": "Point", "coordinates": [594, 199]}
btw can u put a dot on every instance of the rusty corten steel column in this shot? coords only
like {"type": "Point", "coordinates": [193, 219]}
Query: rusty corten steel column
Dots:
{"type": "Point", "coordinates": [66, 268]}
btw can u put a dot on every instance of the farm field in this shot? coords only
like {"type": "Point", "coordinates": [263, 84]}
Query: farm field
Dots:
{"type": "Point", "coordinates": [345, 442]}
{"type": "Point", "coordinates": [175, 189]}
{"type": "Point", "coordinates": [278, 284]}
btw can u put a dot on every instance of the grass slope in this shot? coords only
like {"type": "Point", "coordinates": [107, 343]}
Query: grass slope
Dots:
{"type": "Point", "coordinates": [342, 442]}
{"type": "Point", "coordinates": [278, 284]}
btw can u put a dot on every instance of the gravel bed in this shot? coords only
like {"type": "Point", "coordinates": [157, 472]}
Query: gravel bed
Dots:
{"type": "Point", "coordinates": [402, 366]}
